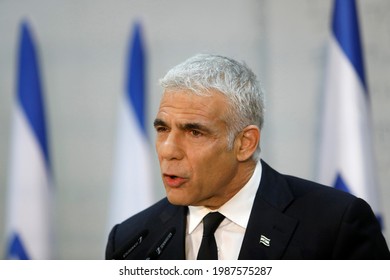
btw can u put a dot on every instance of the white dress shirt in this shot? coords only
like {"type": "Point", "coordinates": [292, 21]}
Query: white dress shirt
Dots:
{"type": "Point", "coordinates": [230, 233]}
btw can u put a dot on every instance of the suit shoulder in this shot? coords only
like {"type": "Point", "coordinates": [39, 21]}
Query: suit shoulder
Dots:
{"type": "Point", "coordinates": [302, 187]}
{"type": "Point", "coordinates": [327, 201]}
{"type": "Point", "coordinates": [275, 185]}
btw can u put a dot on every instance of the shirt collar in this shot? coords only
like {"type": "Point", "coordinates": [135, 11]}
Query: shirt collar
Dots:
{"type": "Point", "coordinates": [237, 209]}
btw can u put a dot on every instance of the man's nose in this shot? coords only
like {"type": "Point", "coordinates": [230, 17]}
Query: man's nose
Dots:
{"type": "Point", "coordinates": [171, 147]}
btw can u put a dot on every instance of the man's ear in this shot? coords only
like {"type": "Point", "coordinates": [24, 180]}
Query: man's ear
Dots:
{"type": "Point", "coordinates": [246, 142]}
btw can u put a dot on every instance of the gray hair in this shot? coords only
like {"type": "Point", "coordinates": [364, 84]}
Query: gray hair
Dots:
{"type": "Point", "coordinates": [235, 80]}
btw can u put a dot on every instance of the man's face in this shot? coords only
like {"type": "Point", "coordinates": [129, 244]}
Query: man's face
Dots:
{"type": "Point", "coordinates": [196, 165]}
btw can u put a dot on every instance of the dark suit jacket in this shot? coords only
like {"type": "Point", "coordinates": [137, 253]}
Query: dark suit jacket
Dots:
{"type": "Point", "coordinates": [302, 219]}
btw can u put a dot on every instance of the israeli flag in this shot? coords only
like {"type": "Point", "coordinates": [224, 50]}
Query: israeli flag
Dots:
{"type": "Point", "coordinates": [132, 176]}
{"type": "Point", "coordinates": [346, 152]}
{"type": "Point", "coordinates": [30, 189]}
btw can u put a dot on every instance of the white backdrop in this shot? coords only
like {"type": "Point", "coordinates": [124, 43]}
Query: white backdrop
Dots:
{"type": "Point", "coordinates": [83, 44]}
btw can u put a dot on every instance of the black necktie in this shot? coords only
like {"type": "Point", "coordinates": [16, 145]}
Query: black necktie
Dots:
{"type": "Point", "coordinates": [208, 247]}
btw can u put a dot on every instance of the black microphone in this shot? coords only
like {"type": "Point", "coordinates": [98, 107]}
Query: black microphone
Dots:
{"type": "Point", "coordinates": [130, 246]}
{"type": "Point", "coordinates": [161, 245]}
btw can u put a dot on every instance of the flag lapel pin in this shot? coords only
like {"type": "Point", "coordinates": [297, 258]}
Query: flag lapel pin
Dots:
{"type": "Point", "coordinates": [265, 240]}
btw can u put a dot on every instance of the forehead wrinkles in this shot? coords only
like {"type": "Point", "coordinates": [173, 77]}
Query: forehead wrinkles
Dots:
{"type": "Point", "coordinates": [187, 104]}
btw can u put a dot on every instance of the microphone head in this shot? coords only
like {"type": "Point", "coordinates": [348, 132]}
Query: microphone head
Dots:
{"type": "Point", "coordinates": [161, 245]}
{"type": "Point", "coordinates": [123, 252]}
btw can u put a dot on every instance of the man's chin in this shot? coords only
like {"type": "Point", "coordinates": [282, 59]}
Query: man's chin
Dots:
{"type": "Point", "coordinates": [177, 201]}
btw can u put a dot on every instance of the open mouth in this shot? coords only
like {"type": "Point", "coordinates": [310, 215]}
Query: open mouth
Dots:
{"type": "Point", "coordinates": [173, 180]}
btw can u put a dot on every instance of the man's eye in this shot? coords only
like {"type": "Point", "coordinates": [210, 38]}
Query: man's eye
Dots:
{"type": "Point", "coordinates": [196, 133]}
{"type": "Point", "coordinates": [161, 129]}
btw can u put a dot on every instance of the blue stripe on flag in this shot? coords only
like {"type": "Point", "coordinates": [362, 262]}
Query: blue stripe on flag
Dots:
{"type": "Point", "coordinates": [135, 88]}
{"type": "Point", "coordinates": [345, 27]}
{"type": "Point", "coordinates": [29, 89]}
{"type": "Point", "coordinates": [16, 249]}
{"type": "Point", "coordinates": [340, 184]}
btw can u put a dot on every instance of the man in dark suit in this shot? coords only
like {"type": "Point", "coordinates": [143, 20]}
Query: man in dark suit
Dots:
{"type": "Point", "coordinates": [208, 144]}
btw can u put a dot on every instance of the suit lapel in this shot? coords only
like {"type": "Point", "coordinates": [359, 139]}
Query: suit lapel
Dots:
{"type": "Point", "coordinates": [174, 218]}
{"type": "Point", "coordinates": [269, 229]}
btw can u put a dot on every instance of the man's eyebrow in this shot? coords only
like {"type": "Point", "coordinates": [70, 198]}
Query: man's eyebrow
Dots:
{"type": "Point", "coordinates": [184, 126]}
{"type": "Point", "coordinates": [194, 126]}
{"type": "Point", "coordinates": [159, 122]}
